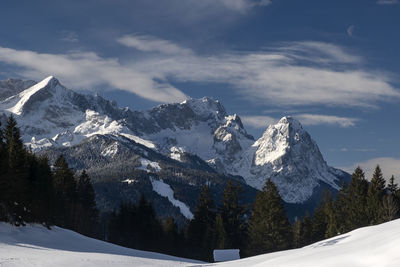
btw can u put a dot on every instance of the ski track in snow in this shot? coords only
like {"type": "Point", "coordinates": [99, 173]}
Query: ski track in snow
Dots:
{"type": "Point", "coordinates": [165, 190]}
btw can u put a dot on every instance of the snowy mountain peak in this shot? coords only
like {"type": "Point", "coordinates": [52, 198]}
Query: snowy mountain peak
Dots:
{"type": "Point", "coordinates": [23, 101]}
{"type": "Point", "coordinates": [205, 106]}
{"type": "Point", "coordinates": [286, 154]}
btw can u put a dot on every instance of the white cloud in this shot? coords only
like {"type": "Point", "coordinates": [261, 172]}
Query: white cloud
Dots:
{"type": "Point", "coordinates": [387, 2]}
{"type": "Point", "coordinates": [87, 70]}
{"type": "Point", "coordinates": [390, 166]}
{"type": "Point", "coordinates": [243, 5]}
{"type": "Point", "coordinates": [260, 122]}
{"type": "Point", "coordinates": [69, 36]}
{"type": "Point", "coordinates": [350, 30]}
{"type": "Point", "coordinates": [293, 74]}
{"type": "Point", "coordinates": [316, 119]}
{"type": "Point", "coordinates": [150, 44]}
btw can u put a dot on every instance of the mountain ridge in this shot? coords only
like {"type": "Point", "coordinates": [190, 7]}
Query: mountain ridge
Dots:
{"type": "Point", "coordinates": [52, 116]}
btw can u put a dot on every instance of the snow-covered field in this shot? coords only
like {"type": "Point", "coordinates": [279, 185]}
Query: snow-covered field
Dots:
{"type": "Point", "coordinates": [36, 246]}
{"type": "Point", "coordinates": [370, 246]}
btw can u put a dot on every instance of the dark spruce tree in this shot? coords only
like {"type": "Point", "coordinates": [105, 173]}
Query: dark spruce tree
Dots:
{"type": "Point", "coordinates": [392, 187]}
{"type": "Point", "coordinates": [356, 206]}
{"type": "Point", "coordinates": [17, 174]}
{"type": "Point", "coordinates": [233, 217]}
{"type": "Point", "coordinates": [269, 228]}
{"type": "Point", "coordinates": [86, 214]}
{"type": "Point", "coordinates": [65, 193]}
{"type": "Point", "coordinates": [375, 194]}
{"type": "Point", "coordinates": [200, 232]}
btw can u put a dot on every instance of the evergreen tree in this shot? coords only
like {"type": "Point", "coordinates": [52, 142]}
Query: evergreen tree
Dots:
{"type": "Point", "coordinates": [220, 234]}
{"type": "Point", "coordinates": [200, 232]}
{"type": "Point", "coordinates": [376, 191]}
{"type": "Point", "coordinates": [149, 228]}
{"type": "Point", "coordinates": [42, 191]}
{"type": "Point", "coordinates": [232, 215]}
{"type": "Point", "coordinates": [173, 240]}
{"type": "Point", "coordinates": [338, 214]}
{"type": "Point", "coordinates": [296, 233]}
{"type": "Point", "coordinates": [4, 181]}
{"type": "Point", "coordinates": [319, 220]}
{"type": "Point", "coordinates": [86, 215]}
{"type": "Point", "coordinates": [390, 208]}
{"type": "Point", "coordinates": [65, 193]}
{"type": "Point", "coordinates": [332, 226]}
{"type": "Point", "coordinates": [392, 187]}
{"type": "Point", "coordinates": [269, 228]}
{"type": "Point", "coordinates": [16, 173]}
{"type": "Point", "coordinates": [306, 230]}
{"type": "Point", "coordinates": [357, 201]}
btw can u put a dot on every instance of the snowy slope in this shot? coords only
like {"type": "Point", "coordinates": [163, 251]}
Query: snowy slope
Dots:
{"type": "Point", "coordinates": [370, 246]}
{"type": "Point", "coordinates": [37, 246]}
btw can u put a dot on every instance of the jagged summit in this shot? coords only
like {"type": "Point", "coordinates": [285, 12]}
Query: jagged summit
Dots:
{"type": "Point", "coordinates": [205, 105]}
{"type": "Point", "coordinates": [286, 154]}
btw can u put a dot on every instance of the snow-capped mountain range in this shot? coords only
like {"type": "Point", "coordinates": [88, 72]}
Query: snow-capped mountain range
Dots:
{"type": "Point", "coordinates": [52, 116]}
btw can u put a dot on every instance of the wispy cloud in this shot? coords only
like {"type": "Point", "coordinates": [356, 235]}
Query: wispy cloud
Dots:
{"type": "Point", "coordinates": [350, 30]}
{"type": "Point", "coordinates": [387, 2]}
{"type": "Point", "coordinates": [291, 74]}
{"type": "Point", "coordinates": [243, 5]}
{"type": "Point", "coordinates": [151, 44]}
{"type": "Point", "coordinates": [87, 70]}
{"type": "Point", "coordinates": [259, 122]}
{"type": "Point", "coordinates": [389, 166]}
{"type": "Point", "coordinates": [316, 119]}
{"type": "Point", "coordinates": [69, 36]}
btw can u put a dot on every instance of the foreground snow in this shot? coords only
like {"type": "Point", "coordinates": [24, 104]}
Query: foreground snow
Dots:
{"type": "Point", "coordinates": [370, 246]}
{"type": "Point", "coordinates": [36, 246]}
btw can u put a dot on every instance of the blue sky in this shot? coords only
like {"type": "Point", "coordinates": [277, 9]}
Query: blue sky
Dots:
{"type": "Point", "coordinates": [334, 65]}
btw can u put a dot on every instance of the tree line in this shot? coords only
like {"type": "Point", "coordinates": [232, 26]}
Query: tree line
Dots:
{"type": "Point", "coordinates": [32, 191]}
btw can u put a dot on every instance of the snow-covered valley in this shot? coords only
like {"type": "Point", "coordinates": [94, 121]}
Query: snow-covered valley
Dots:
{"type": "Point", "coordinates": [37, 246]}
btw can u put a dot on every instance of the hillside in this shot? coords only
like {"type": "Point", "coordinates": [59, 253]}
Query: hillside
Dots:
{"type": "Point", "coordinates": [36, 246]}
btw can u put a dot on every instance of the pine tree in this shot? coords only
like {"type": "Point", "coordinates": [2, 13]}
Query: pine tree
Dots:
{"type": "Point", "coordinates": [4, 181]}
{"type": "Point", "coordinates": [392, 187]}
{"type": "Point", "coordinates": [149, 228]}
{"type": "Point", "coordinates": [86, 215]}
{"type": "Point", "coordinates": [17, 173]}
{"type": "Point", "coordinates": [297, 233]}
{"type": "Point", "coordinates": [339, 213]}
{"type": "Point", "coordinates": [232, 215]}
{"type": "Point", "coordinates": [390, 208]}
{"type": "Point", "coordinates": [376, 191]}
{"type": "Point", "coordinates": [200, 232]}
{"type": "Point", "coordinates": [357, 201]}
{"type": "Point", "coordinates": [65, 193]}
{"type": "Point", "coordinates": [332, 227]}
{"type": "Point", "coordinates": [269, 228]}
{"type": "Point", "coordinates": [42, 191]}
{"type": "Point", "coordinates": [306, 230]}
{"type": "Point", "coordinates": [220, 234]}
{"type": "Point", "coordinates": [173, 242]}
{"type": "Point", "coordinates": [319, 220]}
